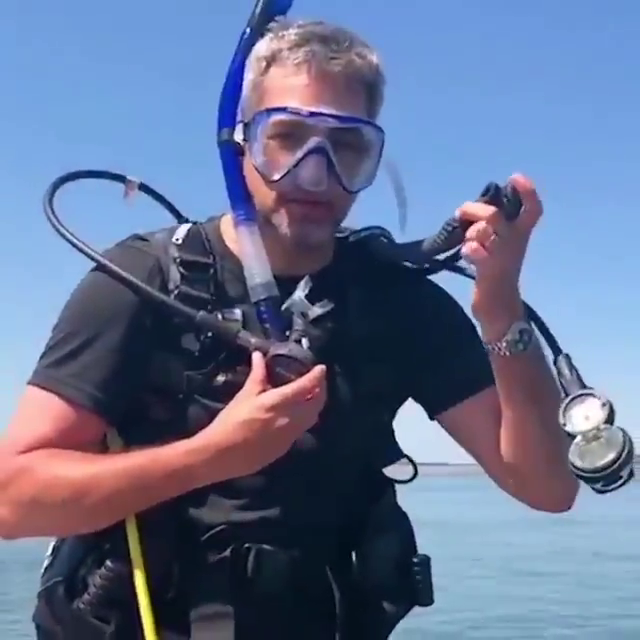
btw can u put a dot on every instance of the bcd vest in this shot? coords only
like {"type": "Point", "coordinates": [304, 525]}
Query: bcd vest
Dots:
{"type": "Point", "coordinates": [333, 487]}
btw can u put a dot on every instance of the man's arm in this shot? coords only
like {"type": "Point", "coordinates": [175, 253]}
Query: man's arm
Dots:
{"type": "Point", "coordinates": [51, 489]}
{"type": "Point", "coordinates": [502, 411]}
{"type": "Point", "coordinates": [55, 479]}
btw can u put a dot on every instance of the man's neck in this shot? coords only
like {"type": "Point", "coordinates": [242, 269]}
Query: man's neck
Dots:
{"type": "Point", "coordinates": [285, 260]}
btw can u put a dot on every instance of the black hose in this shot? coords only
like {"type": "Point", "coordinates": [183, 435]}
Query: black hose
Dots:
{"type": "Point", "coordinates": [451, 233]}
{"type": "Point", "coordinates": [205, 321]}
{"type": "Point", "coordinates": [287, 359]}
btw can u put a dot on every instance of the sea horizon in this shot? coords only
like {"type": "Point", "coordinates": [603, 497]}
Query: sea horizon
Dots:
{"type": "Point", "coordinates": [462, 467]}
{"type": "Point", "coordinates": [470, 463]}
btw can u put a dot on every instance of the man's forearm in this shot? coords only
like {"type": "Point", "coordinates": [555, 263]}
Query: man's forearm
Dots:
{"type": "Point", "coordinates": [531, 441]}
{"type": "Point", "coordinates": [57, 493]}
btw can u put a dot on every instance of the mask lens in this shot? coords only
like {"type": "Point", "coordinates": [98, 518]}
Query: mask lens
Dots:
{"type": "Point", "coordinates": [278, 139]}
{"type": "Point", "coordinates": [352, 151]}
{"type": "Point", "coordinates": [280, 142]}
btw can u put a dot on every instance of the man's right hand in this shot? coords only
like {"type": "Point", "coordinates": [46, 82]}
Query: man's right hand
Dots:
{"type": "Point", "coordinates": [261, 423]}
{"type": "Point", "coordinates": [52, 484]}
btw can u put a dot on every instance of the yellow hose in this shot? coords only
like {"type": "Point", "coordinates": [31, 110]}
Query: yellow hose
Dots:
{"type": "Point", "coordinates": [140, 580]}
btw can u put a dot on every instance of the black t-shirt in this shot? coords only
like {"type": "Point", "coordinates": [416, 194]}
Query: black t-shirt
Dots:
{"type": "Point", "coordinates": [100, 342]}
{"type": "Point", "coordinates": [99, 351]}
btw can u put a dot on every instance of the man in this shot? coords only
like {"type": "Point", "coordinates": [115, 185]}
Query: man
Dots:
{"type": "Point", "coordinates": [290, 468]}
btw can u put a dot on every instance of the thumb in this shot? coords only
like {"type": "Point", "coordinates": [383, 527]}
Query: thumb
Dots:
{"type": "Point", "coordinates": [531, 203]}
{"type": "Point", "coordinates": [257, 380]}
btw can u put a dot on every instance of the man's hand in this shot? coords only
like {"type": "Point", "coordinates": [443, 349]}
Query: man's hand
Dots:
{"type": "Point", "coordinates": [261, 424]}
{"type": "Point", "coordinates": [497, 249]}
{"type": "Point", "coordinates": [52, 486]}
{"type": "Point", "coordinates": [521, 445]}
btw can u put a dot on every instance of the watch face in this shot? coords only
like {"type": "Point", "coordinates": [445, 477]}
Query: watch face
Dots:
{"type": "Point", "coordinates": [520, 337]}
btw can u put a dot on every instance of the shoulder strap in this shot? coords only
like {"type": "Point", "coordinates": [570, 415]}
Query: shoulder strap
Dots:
{"type": "Point", "coordinates": [192, 273]}
{"type": "Point", "coordinates": [191, 269]}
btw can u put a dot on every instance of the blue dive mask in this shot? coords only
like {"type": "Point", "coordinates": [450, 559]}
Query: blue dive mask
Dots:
{"type": "Point", "coordinates": [309, 147]}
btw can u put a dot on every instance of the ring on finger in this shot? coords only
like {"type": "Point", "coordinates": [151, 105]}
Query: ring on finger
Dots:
{"type": "Point", "coordinates": [498, 223]}
{"type": "Point", "coordinates": [492, 239]}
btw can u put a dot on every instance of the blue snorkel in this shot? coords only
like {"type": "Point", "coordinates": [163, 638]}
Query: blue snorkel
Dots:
{"type": "Point", "coordinates": [261, 284]}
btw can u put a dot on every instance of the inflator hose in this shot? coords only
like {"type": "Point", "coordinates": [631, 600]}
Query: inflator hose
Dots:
{"type": "Point", "coordinates": [136, 555]}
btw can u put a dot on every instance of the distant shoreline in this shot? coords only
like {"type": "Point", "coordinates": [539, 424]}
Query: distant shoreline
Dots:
{"type": "Point", "coordinates": [443, 468]}
{"type": "Point", "coordinates": [460, 468]}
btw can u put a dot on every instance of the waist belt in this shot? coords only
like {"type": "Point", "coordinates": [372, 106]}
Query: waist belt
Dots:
{"type": "Point", "coordinates": [255, 592]}
{"type": "Point", "coordinates": [224, 590]}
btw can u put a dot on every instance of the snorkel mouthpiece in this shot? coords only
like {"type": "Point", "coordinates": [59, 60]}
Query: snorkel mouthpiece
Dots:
{"type": "Point", "coordinates": [261, 284]}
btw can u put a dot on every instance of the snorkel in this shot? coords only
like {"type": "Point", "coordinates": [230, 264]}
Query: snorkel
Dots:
{"type": "Point", "coordinates": [261, 285]}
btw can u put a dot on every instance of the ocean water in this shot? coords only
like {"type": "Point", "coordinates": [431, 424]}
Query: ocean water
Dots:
{"type": "Point", "coordinates": [501, 570]}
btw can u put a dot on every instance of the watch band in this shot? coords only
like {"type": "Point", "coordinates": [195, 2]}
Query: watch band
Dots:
{"type": "Point", "coordinates": [519, 338]}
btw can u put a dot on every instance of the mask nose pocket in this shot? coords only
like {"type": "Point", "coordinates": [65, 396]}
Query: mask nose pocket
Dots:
{"type": "Point", "coordinates": [312, 171]}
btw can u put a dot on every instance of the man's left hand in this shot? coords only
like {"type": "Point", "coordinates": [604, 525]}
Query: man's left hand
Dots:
{"type": "Point", "coordinates": [497, 247]}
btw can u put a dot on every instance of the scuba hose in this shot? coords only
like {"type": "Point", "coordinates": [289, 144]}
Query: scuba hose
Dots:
{"type": "Point", "coordinates": [601, 454]}
{"type": "Point", "coordinates": [136, 555]}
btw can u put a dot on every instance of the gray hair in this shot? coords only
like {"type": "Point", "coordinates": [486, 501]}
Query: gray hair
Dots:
{"type": "Point", "coordinates": [319, 45]}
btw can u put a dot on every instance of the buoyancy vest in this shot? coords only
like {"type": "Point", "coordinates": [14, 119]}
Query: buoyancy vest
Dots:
{"type": "Point", "coordinates": [319, 498]}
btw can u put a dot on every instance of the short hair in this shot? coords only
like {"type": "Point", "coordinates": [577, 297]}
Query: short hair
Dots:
{"type": "Point", "coordinates": [318, 45]}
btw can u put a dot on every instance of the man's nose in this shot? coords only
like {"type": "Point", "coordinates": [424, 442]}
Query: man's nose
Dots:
{"type": "Point", "coordinates": [313, 171]}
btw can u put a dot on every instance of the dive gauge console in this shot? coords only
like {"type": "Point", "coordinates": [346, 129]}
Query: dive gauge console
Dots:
{"type": "Point", "coordinates": [601, 454]}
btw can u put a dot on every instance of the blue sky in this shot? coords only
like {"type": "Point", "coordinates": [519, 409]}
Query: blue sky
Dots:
{"type": "Point", "coordinates": [476, 92]}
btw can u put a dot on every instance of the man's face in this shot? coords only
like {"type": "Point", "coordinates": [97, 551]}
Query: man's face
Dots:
{"type": "Point", "coordinates": [306, 219]}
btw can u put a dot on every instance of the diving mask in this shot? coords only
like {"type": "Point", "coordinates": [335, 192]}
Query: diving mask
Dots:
{"type": "Point", "coordinates": [311, 146]}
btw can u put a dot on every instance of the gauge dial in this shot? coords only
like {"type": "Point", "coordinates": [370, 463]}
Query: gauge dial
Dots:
{"type": "Point", "coordinates": [584, 412]}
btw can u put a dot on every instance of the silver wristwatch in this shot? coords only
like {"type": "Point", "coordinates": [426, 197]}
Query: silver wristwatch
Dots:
{"type": "Point", "coordinates": [518, 339]}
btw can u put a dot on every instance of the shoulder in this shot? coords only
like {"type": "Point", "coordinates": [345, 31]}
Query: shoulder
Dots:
{"type": "Point", "coordinates": [146, 256]}
{"type": "Point", "coordinates": [398, 288]}
{"type": "Point", "coordinates": [144, 252]}
{"type": "Point", "coordinates": [99, 294]}
{"type": "Point", "coordinates": [104, 333]}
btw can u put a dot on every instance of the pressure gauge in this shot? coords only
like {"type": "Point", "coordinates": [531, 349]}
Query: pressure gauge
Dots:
{"type": "Point", "coordinates": [584, 411]}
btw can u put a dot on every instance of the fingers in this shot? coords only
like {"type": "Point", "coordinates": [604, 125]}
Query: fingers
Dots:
{"type": "Point", "coordinates": [482, 233]}
{"type": "Point", "coordinates": [480, 212]}
{"type": "Point", "coordinates": [257, 381]}
{"type": "Point", "coordinates": [480, 240]}
{"type": "Point", "coordinates": [310, 388]}
{"type": "Point", "coordinates": [529, 217]}
{"type": "Point", "coordinates": [474, 252]}
{"type": "Point", "coordinates": [490, 233]}
{"type": "Point", "coordinates": [531, 204]}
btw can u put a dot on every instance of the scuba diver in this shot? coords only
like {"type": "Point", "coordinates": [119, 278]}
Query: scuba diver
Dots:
{"type": "Point", "coordinates": [264, 510]}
